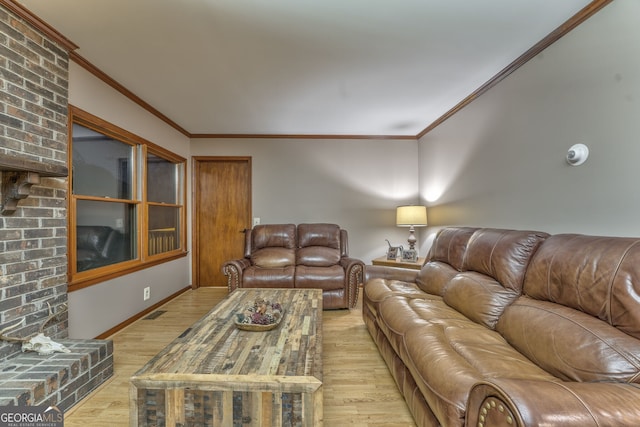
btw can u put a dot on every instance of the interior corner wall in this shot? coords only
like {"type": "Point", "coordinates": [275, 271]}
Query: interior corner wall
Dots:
{"type": "Point", "coordinates": [500, 161]}
{"type": "Point", "coordinates": [109, 303]}
{"type": "Point", "coordinates": [356, 183]}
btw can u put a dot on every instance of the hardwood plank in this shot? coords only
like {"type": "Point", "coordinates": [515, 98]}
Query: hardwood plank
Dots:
{"type": "Point", "coordinates": [357, 387]}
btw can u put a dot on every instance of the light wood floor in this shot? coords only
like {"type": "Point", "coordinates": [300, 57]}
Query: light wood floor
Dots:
{"type": "Point", "coordinates": [358, 389]}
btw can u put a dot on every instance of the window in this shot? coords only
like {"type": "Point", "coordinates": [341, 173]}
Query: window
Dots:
{"type": "Point", "coordinates": [163, 207]}
{"type": "Point", "coordinates": [126, 209]}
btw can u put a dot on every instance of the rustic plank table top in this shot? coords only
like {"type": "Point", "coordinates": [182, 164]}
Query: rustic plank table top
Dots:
{"type": "Point", "coordinates": [215, 355]}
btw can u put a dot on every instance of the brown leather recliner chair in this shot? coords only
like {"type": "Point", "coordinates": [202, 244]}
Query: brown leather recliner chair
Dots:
{"type": "Point", "coordinates": [304, 256]}
{"type": "Point", "coordinates": [99, 245]}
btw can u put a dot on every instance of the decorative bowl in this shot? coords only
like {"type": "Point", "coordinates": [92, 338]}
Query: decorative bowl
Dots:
{"type": "Point", "coordinates": [263, 315]}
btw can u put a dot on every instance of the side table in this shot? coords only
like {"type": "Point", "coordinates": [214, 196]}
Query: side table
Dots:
{"type": "Point", "coordinates": [398, 263]}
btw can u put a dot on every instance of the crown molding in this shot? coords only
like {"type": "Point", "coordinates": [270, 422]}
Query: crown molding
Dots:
{"type": "Point", "coordinates": [298, 136]}
{"type": "Point", "coordinates": [84, 63]}
{"type": "Point", "coordinates": [554, 36]}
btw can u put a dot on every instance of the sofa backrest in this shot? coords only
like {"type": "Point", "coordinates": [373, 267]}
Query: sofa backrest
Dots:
{"type": "Point", "coordinates": [494, 267]}
{"type": "Point", "coordinates": [502, 254]}
{"type": "Point", "coordinates": [319, 245]}
{"type": "Point", "coordinates": [271, 245]}
{"type": "Point", "coordinates": [445, 259]}
{"type": "Point", "coordinates": [450, 245]}
{"type": "Point", "coordinates": [579, 316]}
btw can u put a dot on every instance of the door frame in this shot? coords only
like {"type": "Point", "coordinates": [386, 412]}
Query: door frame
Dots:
{"type": "Point", "coordinates": [195, 226]}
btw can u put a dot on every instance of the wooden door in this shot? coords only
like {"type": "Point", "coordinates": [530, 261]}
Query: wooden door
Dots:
{"type": "Point", "coordinates": [222, 210]}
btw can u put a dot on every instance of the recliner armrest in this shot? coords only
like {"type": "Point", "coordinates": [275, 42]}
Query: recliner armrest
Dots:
{"type": "Point", "coordinates": [233, 270]}
{"type": "Point", "coordinates": [348, 263]}
{"type": "Point", "coordinates": [354, 275]}
{"type": "Point", "coordinates": [510, 402]}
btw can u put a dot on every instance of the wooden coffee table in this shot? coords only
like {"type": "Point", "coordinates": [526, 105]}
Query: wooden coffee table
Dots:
{"type": "Point", "coordinates": [217, 375]}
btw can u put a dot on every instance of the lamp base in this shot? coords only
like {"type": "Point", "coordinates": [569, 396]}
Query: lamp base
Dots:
{"type": "Point", "coordinates": [412, 238]}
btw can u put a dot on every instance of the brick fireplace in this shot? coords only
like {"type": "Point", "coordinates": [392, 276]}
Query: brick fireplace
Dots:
{"type": "Point", "coordinates": [34, 64]}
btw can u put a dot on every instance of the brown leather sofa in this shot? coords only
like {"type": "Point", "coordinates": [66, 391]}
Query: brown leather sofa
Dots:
{"type": "Point", "coordinates": [304, 256]}
{"type": "Point", "coordinates": [513, 328]}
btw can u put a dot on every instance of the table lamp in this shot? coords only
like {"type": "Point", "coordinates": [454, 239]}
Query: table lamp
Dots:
{"type": "Point", "coordinates": [411, 216]}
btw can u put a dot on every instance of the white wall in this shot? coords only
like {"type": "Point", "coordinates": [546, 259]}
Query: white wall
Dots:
{"type": "Point", "coordinates": [354, 183]}
{"type": "Point", "coordinates": [501, 160]}
{"type": "Point", "coordinates": [98, 308]}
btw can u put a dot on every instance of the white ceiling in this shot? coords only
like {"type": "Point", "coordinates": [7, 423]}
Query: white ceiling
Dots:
{"type": "Point", "coordinates": [303, 67]}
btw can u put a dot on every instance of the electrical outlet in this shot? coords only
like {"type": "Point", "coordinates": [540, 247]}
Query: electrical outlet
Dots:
{"type": "Point", "coordinates": [147, 293]}
{"type": "Point", "coordinates": [256, 221]}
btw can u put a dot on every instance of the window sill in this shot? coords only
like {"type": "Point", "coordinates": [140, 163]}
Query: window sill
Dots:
{"type": "Point", "coordinates": [104, 274]}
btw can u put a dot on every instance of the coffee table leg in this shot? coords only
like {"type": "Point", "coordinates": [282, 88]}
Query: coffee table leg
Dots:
{"type": "Point", "coordinates": [313, 412]}
{"type": "Point", "coordinates": [133, 406]}
{"type": "Point", "coordinates": [227, 409]}
{"type": "Point", "coordinates": [174, 406]}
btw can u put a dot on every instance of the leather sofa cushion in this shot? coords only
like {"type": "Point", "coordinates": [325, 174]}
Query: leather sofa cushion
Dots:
{"type": "Point", "coordinates": [254, 277]}
{"type": "Point", "coordinates": [434, 276]}
{"type": "Point", "coordinates": [324, 278]}
{"type": "Point", "coordinates": [479, 297]}
{"type": "Point", "coordinates": [446, 353]}
{"type": "Point", "coordinates": [273, 235]}
{"type": "Point", "coordinates": [570, 344]}
{"type": "Point", "coordinates": [378, 289]}
{"type": "Point", "coordinates": [450, 245]}
{"type": "Point", "coordinates": [502, 254]}
{"type": "Point", "coordinates": [495, 264]}
{"type": "Point", "coordinates": [319, 235]}
{"type": "Point", "coordinates": [397, 315]}
{"type": "Point", "coordinates": [592, 274]}
{"type": "Point", "coordinates": [273, 257]}
{"type": "Point", "coordinates": [317, 256]}
{"type": "Point", "coordinates": [446, 359]}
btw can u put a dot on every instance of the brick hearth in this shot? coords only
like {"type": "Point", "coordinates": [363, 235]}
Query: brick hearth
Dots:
{"type": "Point", "coordinates": [60, 379]}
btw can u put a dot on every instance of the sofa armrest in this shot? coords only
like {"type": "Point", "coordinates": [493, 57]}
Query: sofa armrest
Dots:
{"type": "Point", "coordinates": [233, 270]}
{"type": "Point", "coordinates": [507, 402]}
{"type": "Point", "coordinates": [354, 275]}
{"type": "Point", "coordinates": [390, 273]}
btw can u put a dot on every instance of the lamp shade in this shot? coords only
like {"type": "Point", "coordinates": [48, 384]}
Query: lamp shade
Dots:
{"type": "Point", "coordinates": [406, 216]}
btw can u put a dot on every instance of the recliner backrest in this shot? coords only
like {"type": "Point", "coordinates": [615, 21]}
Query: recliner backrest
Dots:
{"type": "Point", "coordinates": [95, 238]}
{"type": "Point", "coordinates": [319, 245]}
{"type": "Point", "coordinates": [271, 245]}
